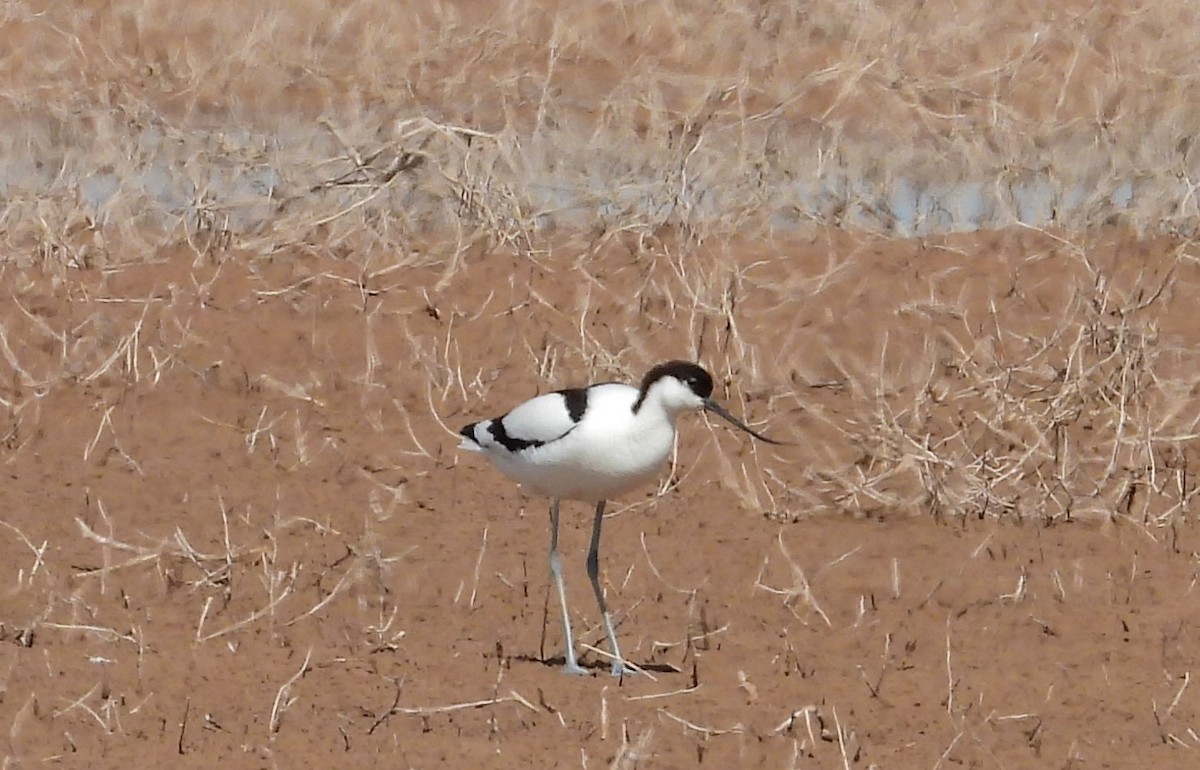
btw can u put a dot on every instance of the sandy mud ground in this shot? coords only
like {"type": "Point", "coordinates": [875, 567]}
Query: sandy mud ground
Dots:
{"type": "Point", "coordinates": [236, 526]}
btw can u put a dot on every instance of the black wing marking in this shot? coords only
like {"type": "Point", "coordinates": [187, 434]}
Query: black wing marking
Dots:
{"type": "Point", "coordinates": [576, 400]}
{"type": "Point", "coordinates": [511, 443]}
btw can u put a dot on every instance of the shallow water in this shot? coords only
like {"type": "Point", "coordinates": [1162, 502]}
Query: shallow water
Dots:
{"type": "Point", "coordinates": [239, 178]}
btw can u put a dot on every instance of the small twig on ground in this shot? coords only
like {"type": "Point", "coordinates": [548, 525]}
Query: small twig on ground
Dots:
{"type": "Point", "coordinates": [283, 699]}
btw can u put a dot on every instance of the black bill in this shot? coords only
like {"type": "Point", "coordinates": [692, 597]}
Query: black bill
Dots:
{"type": "Point", "coordinates": [716, 408]}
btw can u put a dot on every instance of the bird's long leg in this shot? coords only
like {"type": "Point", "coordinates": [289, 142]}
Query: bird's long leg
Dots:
{"type": "Point", "coordinates": [593, 569]}
{"type": "Point", "coordinates": [572, 665]}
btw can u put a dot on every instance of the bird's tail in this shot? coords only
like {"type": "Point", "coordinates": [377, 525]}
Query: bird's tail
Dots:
{"type": "Point", "coordinates": [469, 441]}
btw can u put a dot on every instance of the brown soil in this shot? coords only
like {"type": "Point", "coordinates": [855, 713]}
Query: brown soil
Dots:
{"type": "Point", "coordinates": [236, 527]}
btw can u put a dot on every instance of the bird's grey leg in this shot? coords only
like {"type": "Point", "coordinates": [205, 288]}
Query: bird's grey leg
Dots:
{"type": "Point", "coordinates": [572, 665]}
{"type": "Point", "coordinates": [593, 569]}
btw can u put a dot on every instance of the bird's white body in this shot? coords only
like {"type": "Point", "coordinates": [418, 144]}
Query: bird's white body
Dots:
{"type": "Point", "coordinates": [609, 452]}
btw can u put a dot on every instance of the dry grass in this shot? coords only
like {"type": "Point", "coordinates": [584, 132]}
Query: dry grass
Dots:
{"type": "Point", "coordinates": [1061, 397]}
{"type": "Point", "coordinates": [381, 126]}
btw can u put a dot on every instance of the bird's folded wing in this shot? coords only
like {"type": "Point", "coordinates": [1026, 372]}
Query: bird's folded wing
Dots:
{"type": "Point", "coordinates": [534, 423]}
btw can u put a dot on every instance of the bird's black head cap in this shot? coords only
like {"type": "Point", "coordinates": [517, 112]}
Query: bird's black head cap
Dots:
{"type": "Point", "coordinates": [692, 375]}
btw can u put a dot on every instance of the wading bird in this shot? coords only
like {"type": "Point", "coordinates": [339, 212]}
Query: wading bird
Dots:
{"type": "Point", "coordinates": [593, 444]}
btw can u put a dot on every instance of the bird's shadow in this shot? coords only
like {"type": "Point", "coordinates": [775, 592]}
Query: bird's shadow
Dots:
{"type": "Point", "coordinates": [596, 666]}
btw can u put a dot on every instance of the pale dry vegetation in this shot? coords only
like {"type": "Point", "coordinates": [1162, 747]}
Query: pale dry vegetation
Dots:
{"type": "Point", "coordinates": [1055, 380]}
{"type": "Point", "coordinates": [260, 261]}
{"type": "Point", "coordinates": [378, 126]}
